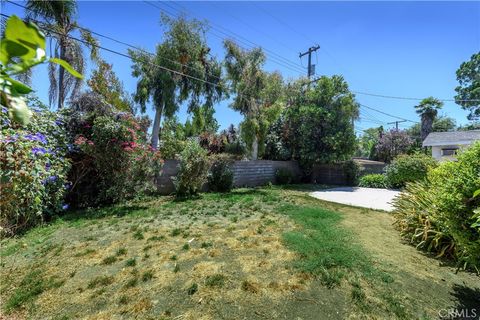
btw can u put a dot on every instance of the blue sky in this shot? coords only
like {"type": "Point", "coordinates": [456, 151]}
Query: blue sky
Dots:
{"type": "Point", "coordinates": [409, 49]}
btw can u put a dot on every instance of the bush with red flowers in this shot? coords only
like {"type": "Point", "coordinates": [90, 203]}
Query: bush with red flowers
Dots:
{"type": "Point", "coordinates": [111, 160]}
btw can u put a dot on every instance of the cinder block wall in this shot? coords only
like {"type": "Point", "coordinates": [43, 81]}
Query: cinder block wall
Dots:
{"type": "Point", "coordinates": [334, 174]}
{"type": "Point", "coordinates": [245, 173]}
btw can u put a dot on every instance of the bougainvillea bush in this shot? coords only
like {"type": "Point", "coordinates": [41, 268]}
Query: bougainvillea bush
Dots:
{"type": "Point", "coordinates": [34, 169]}
{"type": "Point", "coordinates": [111, 158]}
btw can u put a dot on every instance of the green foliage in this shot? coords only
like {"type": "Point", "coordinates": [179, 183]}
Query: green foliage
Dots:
{"type": "Point", "coordinates": [351, 171]}
{"type": "Point", "coordinates": [408, 168]}
{"type": "Point", "coordinates": [283, 176]}
{"type": "Point", "coordinates": [33, 169]}
{"type": "Point", "coordinates": [22, 47]}
{"type": "Point", "coordinates": [185, 51]}
{"type": "Point", "coordinates": [317, 124]}
{"type": "Point", "coordinates": [220, 177]}
{"type": "Point", "coordinates": [112, 161]}
{"type": "Point", "coordinates": [258, 94]}
{"type": "Point", "coordinates": [468, 90]}
{"type": "Point", "coordinates": [372, 181]}
{"type": "Point", "coordinates": [193, 170]}
{"type": "Point", "coordinates": [172, 140]}
{"type": "Point", "coordinates": [437, 214]}
{"type": "Point", "coordinates": [58, 19]}
{"type": "Point", "coordinates": [106, 84]}
{"type": "Point", "coordinates": [367, 142]}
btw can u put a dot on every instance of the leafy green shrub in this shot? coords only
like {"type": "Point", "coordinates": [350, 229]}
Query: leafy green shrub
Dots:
{"type": "Point", "coordinates": [283, 176]}
{"type": "Point", "coordinates": [193, 171]}
{"type": "Point", "coordinates": [220, 178]}
{"type": "Point", "coordinates": [438, 214]}
{"type": "Point", "coordinates": [33, 169]}
{"type": "Point", "coordinates": [372, 181]}
{"type": "Point", "coordinates": [111, 158]}
{"type": "Point", "coordinates": [352, 171]}
{"type": "Point", "coordinates": [408, 168]}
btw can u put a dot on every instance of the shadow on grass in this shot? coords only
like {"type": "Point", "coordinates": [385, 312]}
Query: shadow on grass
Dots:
{"type": "Point", "coordinates": [468, 300]}
{"type": "Point", "coordinates": [97, 213]}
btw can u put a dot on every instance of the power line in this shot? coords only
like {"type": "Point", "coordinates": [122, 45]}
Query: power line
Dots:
{"type": "Point", "coordinates": [387, 114]}
{"type": "Point", "coordinates": [409, 98]}
{"type": "Point", "coordinates": [398, 97]}
{"type": "Point", "coordinates": [121, 42]}
{"type": "Point", "coordinates": [276, 58]}
{"type": "Point", "coordinates": [128, 56]}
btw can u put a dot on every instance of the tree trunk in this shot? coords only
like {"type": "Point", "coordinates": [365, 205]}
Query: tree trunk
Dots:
{"type": "Point", "coordinates": [427, 126]}
{"type": "Point", "coordinates": [156, 126]}
{"type": "Point", "coordinates": [61, 76]}
{"type": "Point", "coordinates": [255, 148]}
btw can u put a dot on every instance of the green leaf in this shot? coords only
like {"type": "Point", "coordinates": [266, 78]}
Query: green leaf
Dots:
{"type": "Point", "coordinates": [27, 35]}
{"type": "Point", "coordinates": [10, 49]}
{"type": "Point", "coordinates": [67, 67]}
{"type": "Point", "coordinates": [19, 87]}
{"type": "Point", "coordinates": [18, 110]}
{"type": "Point", "coordinates": [476, 193]}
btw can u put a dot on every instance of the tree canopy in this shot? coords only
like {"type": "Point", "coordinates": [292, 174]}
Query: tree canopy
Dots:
{"type": "Point", "coordinates": [184, 56]}
{"type": "Point", "coordinates": [468, 90]}
{"type": "Point", "coordinates": [318, 121]}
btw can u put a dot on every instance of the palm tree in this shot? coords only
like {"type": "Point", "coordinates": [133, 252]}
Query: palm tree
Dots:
{"type": "Point", "coordinates": [428, 110]}
{"type": "Point", "coordinates": [58, 21]}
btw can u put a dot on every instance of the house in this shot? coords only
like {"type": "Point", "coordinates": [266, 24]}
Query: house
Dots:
{"type": "Point", "coordinates": [446, 144]}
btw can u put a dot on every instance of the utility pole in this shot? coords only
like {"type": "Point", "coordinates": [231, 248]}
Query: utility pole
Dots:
{"type": "Point", "coordinates": [396, 123]}
{"type": "Point", "coordinates": [311, 68]}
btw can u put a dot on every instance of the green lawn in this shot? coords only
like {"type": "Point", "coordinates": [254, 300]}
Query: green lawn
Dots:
{"type": "Point", "coordinates": [254, 253]}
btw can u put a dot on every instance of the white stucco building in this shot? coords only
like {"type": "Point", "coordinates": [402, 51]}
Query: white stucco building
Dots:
{"type": "Point", "coordinates": [446, 144]}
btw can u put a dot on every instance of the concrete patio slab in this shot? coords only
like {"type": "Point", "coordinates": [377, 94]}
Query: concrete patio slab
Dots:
{"type": "Point", "coordinates": [370, 198]}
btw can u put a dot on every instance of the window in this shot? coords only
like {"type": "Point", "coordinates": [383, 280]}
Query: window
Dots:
{"type": "Point", "coordinates": [449, 152]}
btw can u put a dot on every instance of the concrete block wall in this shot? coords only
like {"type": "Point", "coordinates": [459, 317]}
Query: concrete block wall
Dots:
{"type": "Point", "coordinates": [245, 173]}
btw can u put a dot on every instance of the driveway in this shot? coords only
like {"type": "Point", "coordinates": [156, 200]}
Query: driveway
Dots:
{"type": "Point", "coordinates": [371, 198]}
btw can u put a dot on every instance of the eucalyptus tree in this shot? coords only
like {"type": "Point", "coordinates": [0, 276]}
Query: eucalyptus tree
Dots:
{"type": "Point", "coordinates": [57, 19]}
{"type": "Point", "coordinates": [428, 110]}
{"type": "Point", "coordinates": [181, 71]}
{"type": "Point", "coordinates": [257, 93]}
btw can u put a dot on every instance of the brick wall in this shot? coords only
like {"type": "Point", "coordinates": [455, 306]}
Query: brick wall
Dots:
{"type": "Point", "coordinates": [245, 173]}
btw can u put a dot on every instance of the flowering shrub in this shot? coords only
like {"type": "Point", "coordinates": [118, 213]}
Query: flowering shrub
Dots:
{"type": "Point", "coordinates": [111, 160]}
{"type": "Point", "coordinates": [33, 169]}
{"type": "Point", "coordinates": [213, 143]}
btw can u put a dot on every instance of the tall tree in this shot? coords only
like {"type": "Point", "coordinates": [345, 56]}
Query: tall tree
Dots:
{"type": "Point", "coordinates": [105, 83]}
{"type": "Point", "coordinates": [318, 121]}
{"type": "Point", "coordinates": [195, 78]}
{"type": "Point", "coordinates": [468, 90]}
{"type": "Point", "coordinates": [257, 93]}
{"type": "Point", "coordinates": [58, 22]}
{"type": "Point", "coordinates": [428, 110]}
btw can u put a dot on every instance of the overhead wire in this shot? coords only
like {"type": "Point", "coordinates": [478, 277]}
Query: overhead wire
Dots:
{"type": "Point", "coordinates": [242, 41]}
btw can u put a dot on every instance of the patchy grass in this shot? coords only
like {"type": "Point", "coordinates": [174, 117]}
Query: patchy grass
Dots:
{"type": "Point", "coordinates": [253, 253]}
